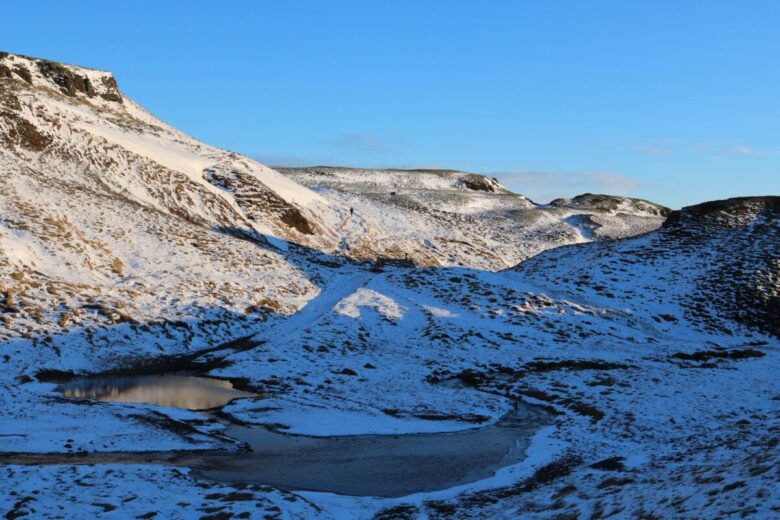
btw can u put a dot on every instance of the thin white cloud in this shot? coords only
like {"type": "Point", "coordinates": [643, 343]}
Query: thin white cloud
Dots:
{"type": "Point", "coordinates": [742, 150]}
{"type": "Point", "coordinates": [546, 186]}
{"type": "Point", "coordinates": [669, 147]}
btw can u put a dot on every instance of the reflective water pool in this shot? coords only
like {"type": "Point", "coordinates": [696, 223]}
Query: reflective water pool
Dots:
{"type": "Point", "coordinates": [364, 465]}
{"type": "Point", "coordinates": [192, 393]}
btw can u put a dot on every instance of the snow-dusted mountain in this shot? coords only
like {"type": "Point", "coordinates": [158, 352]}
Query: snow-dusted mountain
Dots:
{"type": "Point", "coordinates": [446, 217]}
{"type": "Point", "coordinates": [100, 195]}
{"type": "Point", "coordinates": [129, 247]}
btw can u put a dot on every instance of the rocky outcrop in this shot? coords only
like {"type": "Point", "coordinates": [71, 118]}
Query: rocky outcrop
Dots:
{"type": "Point", "coordinates": [69, 80]}
{"type": "Point", "coordinates": [725, 211]}
{"type": "Point", "coordinates": [613, 204]}
{"type": "Point", "coordinates": [259, 203]}
{"type": "Point", "coordinates": [480, 183]}
{"type": "Point", "coordinates": [21, 132]}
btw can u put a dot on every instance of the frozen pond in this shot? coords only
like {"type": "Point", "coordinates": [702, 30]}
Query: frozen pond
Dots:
{"type": "Point", "coordinates": [364, 465]}
{"type": "Point", "coordinates": [380, 465]}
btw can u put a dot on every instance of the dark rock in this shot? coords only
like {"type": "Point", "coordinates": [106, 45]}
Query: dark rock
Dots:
{"type": "Point", "coordinates": [54, 376]}
{"type": "Point", "coordinates": [574, 364]}
{"type": "Point", "coordinates": [471, 378]}
{"type": "Point", "coordinates": [69, 82]}
{"type": "Point", "coordinates": [706, 355]}
{"type": "Point", "coordinates": [23, 133]}
{"type": "Point", "coordinates": [23, 73]}
{"type": "Point", "coordinates": [295, 219]}
{"type": "Point", "coordinates": [112, 90]}
{"type": "Point", "coordinates": [479, 183]}
{"type": "Point", "coordinates": [610, 464]}
{"type": "Point", "coordinates": [401, 512]}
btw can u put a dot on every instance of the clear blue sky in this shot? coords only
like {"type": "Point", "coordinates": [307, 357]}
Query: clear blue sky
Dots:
{"type": "Point", "coordinates": [674, 101]}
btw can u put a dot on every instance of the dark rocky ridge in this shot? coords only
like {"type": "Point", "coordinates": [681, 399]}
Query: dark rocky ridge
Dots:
{"type": "Point", "coordinates": [716, 209]}
{"type": "Point", "coordinates": [67, 78]}
{"type": "Point", "coordinates": [744, 274]}
{"type": "Point", "coordinates": [726, 252]}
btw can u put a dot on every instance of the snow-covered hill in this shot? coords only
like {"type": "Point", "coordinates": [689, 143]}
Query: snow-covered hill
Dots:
{"type": "Point", "coordinates": [446, 217]}
{"type": "Point", "coordinates": [660, 353]}
{"type": "Point", "coordinates": [128, 247]}
{"type": "Point", "coordinates": [109, 214]}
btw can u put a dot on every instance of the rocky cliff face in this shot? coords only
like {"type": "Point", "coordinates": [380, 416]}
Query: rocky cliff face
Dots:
{"type": "Point", "coordinates": [71, 81]}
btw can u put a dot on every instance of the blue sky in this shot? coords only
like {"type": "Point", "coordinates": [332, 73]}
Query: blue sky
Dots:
{"type": "Point", "coordinates": [674, 101]}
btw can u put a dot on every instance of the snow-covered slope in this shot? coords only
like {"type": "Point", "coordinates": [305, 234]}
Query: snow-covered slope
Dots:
{"type": "Point", "coordinates": [128, 247]}
{"type": "Point", "coordinates": [73, 123]}
{"type": "Point", "coordinates": [446, 217]}
{"type": "Point", "coordinates": [660, 353]}
{"type": "Point", "coordinates": [108, 215]}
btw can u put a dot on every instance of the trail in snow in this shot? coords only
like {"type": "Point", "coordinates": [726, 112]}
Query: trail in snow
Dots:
{"type": "Point", "coordinates": [583, 226]}
{"type": "Point", "coordinates": [344, 222]}
{"type": "Point", "coordinates": [322, 304]}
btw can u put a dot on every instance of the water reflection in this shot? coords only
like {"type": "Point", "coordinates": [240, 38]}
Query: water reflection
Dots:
{"type": "Point", "coordinates": [193, 393]}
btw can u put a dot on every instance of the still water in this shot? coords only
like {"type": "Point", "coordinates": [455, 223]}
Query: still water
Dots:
{"type": "Point", "coordinates": [363, 465]}
{"type": "Point", "coordinates": [192, 393]}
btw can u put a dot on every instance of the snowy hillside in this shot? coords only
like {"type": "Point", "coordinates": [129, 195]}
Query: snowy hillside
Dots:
{"type": "Point", "coordinates": [101, 198]}
{"type": "Point", "coordinates": [129, 248]}
{"type": "Point", "coordinates": [452, 218]}
{"type": "Point", "coordinates": [660, 354]}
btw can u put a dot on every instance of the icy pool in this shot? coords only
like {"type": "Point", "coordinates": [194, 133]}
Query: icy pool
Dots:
{"type": "Point", "coordinates": [358, 465]}
{"type": "Point", "coordinates": [380, 465]}
{"type": "Point", "coordinates": [192, 393]}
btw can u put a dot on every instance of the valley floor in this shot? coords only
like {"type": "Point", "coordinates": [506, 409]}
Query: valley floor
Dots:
{"type": "Point", "coordinates": [648, 423]}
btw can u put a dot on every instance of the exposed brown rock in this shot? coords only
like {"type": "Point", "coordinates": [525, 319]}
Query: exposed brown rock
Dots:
{"type": "Point", "coordinates": [479, 183]}
{"type": "Point", "coordinates": [68, 82]}
{"type": "Point", "coordinates": [23, 73]}
{"type": "Point", "coordinates": [23, 133]}
{"type": "Point", "coordinates": [293, 218]}
{"type": "Point", "coordinates": [112, 90]}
